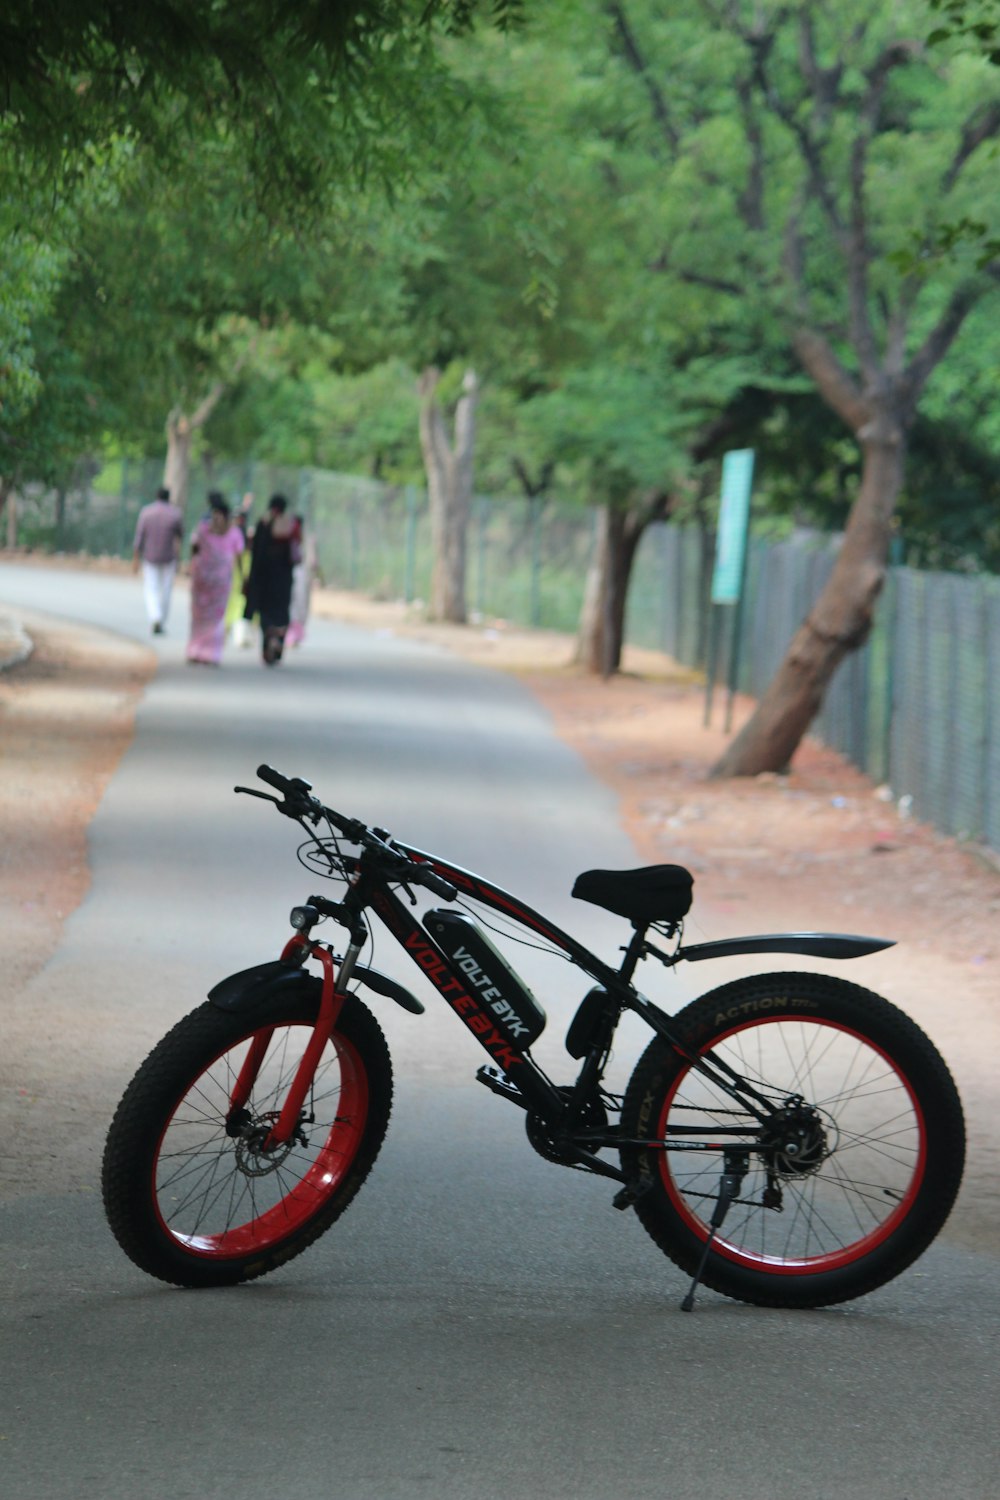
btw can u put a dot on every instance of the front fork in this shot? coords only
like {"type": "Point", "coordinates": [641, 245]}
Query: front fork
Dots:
{"type": "Point", "coordinates": [331, 1001]}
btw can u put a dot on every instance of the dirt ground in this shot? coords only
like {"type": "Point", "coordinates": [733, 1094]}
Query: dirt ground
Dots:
{"type": "Point", "coordinates": [821, 848]}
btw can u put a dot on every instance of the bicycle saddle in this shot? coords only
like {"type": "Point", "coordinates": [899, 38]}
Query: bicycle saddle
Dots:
{"type": "Point", "coordinates": [655, 893]}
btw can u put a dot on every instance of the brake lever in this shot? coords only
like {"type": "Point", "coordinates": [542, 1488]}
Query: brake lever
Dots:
{"type": "Point", "coordinates": [283, 805]}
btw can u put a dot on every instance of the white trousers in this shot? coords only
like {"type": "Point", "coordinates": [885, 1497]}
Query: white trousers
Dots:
{"type": "Point", "coordinates": [157, 581]}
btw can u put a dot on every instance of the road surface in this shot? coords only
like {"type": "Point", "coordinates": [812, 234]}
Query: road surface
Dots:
{"type": "Point", "coordinates": [481, 1324]}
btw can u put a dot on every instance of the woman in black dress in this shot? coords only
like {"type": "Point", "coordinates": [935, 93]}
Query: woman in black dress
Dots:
{"type": "Point", "coordinates": [275, 551]}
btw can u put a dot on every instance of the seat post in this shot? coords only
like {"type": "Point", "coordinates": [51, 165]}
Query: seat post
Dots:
{"type": "Point", "coordinates": [634, 951]}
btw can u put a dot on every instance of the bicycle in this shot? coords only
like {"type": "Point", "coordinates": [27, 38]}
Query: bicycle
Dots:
{"type": "Point", "coordinates": [790, 1140]}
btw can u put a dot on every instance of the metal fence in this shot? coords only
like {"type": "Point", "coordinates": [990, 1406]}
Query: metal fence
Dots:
{"type": "Point", "coordinates": [914, 708]}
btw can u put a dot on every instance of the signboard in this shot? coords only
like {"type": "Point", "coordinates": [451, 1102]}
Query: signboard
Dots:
{"type": "Point", "coordinates": [734, 523]}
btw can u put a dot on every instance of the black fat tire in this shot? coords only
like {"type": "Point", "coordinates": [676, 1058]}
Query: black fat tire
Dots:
{"type": "Point", "coordinates": [152, 1097]}
{"type": "Point", "coordinates": [777, 1000]}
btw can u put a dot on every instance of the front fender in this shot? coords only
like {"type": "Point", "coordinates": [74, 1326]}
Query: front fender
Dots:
{"type": "Point", "coordinates": [249, 987]}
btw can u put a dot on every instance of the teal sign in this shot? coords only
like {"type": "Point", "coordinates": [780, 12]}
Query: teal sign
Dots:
{"type": "Point", "coordinates": [734, 524]}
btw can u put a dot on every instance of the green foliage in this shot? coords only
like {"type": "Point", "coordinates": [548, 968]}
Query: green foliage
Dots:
{"type": "Point", "coordinates": [949, 517]}
{"type": "Point", "coordinates": [296, 409]}
{"type": "Point", "coordinates": [974, 24]}
{"type": "Point", "coordinates": [46, 439]}
{"type": "Point", "coordinates": [596, 207]}
{"type": "Point", "coordinates": [28, 284]}
{"type": "Point", "coordinates": [271, 77]}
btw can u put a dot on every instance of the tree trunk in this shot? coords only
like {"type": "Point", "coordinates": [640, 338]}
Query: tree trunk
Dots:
{"type": "Point", "coordinates": [449, 488]}
{"type": "Point", "coordinates": [601, 633]}
{"type": "Point", "coordinates": [840, 620]}
{"type": "Point", "coordinates": [180, 437]}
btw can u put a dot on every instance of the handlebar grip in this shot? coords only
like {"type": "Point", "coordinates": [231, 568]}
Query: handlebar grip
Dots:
{"type": "Point", "coordinates": [273, 778]}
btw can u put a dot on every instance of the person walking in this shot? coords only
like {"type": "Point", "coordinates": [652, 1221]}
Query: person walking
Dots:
{"type": "Point", "coordinates": [157, 546]}
{"type": "Point", "coordinates": [275, 551]}
{"type": "Point", "coordinates": [304, 574]}
{"type": "Point", "coordinates": [240, 629]}
{"type": "Point", "coordinates": [214, 547]}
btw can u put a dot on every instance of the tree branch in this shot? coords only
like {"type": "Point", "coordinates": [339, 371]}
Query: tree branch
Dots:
{"type": "Point", "coordinates": [431, 421]}
{"type": "Point", "coordinates": [824, 83]}
{"type": "Point", "coordinates": [857, 247]}
{"type": "Point", "coordinates": [636, 60]}
{"type": "Point", "coordinates": [759, 44]}
{"type": "Point", "coordinates": [937, 343]}
{"type": "Point", "coordinates": [713, 283]}
{"type": "Point", "coordinates": [835, 384]}
{"type": "Point", "coordinates": [751, 200]}
{"type": "Point", "coordinates": [534, 487]}
{"type": "Point", "coordinates": [979, 127]}
{"type": "Point", "coordinates": [201, 413]}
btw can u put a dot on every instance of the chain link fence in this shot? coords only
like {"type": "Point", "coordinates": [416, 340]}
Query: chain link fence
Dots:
{"type": "Point", "coordinates": [913, 708]}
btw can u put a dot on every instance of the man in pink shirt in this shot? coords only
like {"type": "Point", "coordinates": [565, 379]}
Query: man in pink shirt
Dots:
{"type": "Point", "coordinates": [157, 546]}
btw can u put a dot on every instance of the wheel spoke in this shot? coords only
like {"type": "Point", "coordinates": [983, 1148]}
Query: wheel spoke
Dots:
{"type": "Point", "coordinates": [215, 1191]}
{"type": "Point", "coordinates": [866, 1142]}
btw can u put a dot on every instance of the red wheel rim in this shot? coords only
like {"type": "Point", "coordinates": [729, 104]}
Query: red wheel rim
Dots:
{"type": "Point", "coordinates": [324, 1175]}
{"type": "Point", "coordinates": [804, 1264]}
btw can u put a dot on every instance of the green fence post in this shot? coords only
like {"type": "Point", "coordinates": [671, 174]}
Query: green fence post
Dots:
{"type": "Point", "coordinates": [410, 559]}
{"type": "Point", "coordinates": [534, 538]}
{"type": "Point", "coordinates": [353, 543]}
{"type": "Point", "coordinates": [123, 537]}
{"type": "Point", "coordinates": [304, 495]}
{"type": "Point", "coordinates": [480, 522]}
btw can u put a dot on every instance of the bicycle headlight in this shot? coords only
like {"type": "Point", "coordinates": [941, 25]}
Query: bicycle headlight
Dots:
{"type": "Point", "coordinates": [303, 917]}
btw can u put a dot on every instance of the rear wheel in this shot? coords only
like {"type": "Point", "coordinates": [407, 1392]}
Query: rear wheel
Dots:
{"type": "Point", "coordinates": [855, 1171]}
{"type": "Point", "coordinates": [193, 1194]}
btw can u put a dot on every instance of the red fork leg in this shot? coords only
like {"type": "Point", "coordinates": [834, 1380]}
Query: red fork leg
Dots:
{"type": "Point", "coordinates": [258, 1047]}
{"type": "Point", "coordinates": [250, 1069]}
{"type": "Point", "coordinates": [329, 1010]}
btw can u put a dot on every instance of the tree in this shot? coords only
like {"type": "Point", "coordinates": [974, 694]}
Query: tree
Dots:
{"type": "Point", "coordinates": [629, 381]}
{"type": "Point", "coordinates": [449, 488]}
{"type": "Point", "coordinates": [799, 141]}
{"type": "Point", "coordinates": [177, 286]}
{"type": "Point", "coordinates": [230, 129]}
{"type": "Point", "coordinates": [474, 287]}
{"type": "Point", "coordinates": [49, 414]}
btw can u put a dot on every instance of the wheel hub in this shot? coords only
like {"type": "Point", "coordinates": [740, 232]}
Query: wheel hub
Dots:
{"type": "Point", "coordinates": [798, 1140]}
{"type": "Point", "coordinates": [254, 1157]}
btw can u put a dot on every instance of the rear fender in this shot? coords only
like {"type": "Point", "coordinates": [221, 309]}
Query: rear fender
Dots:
{"type": "Point", "coordinates": [816, 944]}
{"type": "Point", "coordinates": [248, 988]}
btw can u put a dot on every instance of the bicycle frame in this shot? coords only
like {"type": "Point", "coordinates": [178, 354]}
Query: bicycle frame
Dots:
{"type": "Point", "coordinates": [520, 1079]}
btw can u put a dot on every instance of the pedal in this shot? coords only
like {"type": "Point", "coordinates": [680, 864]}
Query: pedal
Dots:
{"type": "Point", "coordinates": [498, 1083]}
{"type": "Point", "coordinates": [631, 1193]}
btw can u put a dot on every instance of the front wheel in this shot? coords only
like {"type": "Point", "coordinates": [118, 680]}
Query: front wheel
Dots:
{"type": "Point", "coordinates": [192, 1192]}
{"type": "Point", "coordinates": [848, 1179]}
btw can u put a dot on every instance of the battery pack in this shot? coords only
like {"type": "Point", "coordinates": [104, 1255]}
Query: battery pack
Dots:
{"type": "Point", "coordinates": [489, 977]}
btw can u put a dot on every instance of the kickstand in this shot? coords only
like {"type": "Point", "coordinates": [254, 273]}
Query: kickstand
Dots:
{"type": "Point", "coordinates": [737, 1164]}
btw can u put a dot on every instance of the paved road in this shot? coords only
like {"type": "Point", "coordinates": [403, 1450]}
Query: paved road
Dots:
{"type": "Point", "coordinates": [481, 1324]}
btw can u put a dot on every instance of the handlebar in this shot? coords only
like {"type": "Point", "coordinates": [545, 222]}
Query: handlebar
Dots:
{"type": "Point", "coordinates": [298, 802]}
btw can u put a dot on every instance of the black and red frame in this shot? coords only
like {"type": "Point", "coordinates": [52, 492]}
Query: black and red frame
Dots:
{"type": "Point", "coordinates": [568, 1124]}
{"type": "Point", "coordinates": [573, 1119]}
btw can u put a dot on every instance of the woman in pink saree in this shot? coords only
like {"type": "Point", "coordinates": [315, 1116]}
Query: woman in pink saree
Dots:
{"type": "Point", "coordinates": [214, 546]}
